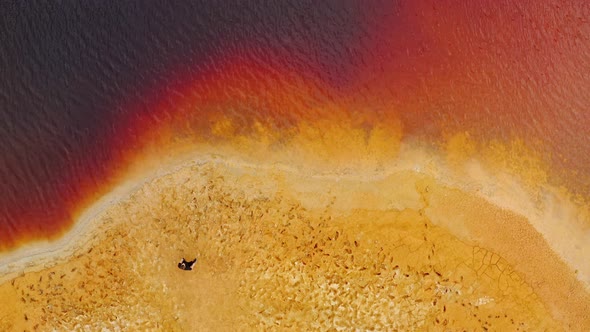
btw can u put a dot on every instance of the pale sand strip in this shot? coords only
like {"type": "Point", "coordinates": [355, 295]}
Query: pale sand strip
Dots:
{"type": "Point", "coordinates": [556, 222]}
{"type": "Point", "coordinates": [353, 190]}
{"type": "Point", "coordinates": [42, 254]}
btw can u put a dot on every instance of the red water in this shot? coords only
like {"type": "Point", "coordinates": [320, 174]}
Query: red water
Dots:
{"type": "Point", "coordinates": [497, 70]}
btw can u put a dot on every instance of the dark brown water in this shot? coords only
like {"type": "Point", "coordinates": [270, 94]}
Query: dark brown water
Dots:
{"type": "Point", "coordinates": [85, 88]}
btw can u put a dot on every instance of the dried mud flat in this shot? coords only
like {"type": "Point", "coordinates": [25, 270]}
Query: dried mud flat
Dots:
{"type": "Point", "coordinates": [278, 250]}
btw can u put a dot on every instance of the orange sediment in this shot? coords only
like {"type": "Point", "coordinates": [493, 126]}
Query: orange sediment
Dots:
{"type": "Point", "coordinates": [385, 241]}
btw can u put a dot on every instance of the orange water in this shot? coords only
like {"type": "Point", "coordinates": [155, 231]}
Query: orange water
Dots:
{"type": "Point", "coordinates": [501, 83]}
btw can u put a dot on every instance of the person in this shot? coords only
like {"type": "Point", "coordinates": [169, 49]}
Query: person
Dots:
{"type": "Point", "coordinates": [187, 266]}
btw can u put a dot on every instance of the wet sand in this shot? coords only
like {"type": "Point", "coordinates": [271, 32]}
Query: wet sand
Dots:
{"type": "Point", "coordinates": [284, 249]}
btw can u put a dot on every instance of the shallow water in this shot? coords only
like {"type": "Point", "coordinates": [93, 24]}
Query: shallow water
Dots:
{"type": "Point", "coordinates": [86, 87]}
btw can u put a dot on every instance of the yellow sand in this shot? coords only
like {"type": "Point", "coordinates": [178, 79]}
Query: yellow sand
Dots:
{"type": "Point", "coordinates": [294, 251]}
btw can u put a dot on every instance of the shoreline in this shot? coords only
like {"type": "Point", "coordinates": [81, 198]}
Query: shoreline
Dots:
{"type": "Point", "coordinates": [409, 184]}
{"type": "Point", "coordinates": [42, 254]}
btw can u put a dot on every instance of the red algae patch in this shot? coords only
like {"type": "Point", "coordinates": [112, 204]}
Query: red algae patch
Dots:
{"type": "Point", "coordinates": [294, 250]}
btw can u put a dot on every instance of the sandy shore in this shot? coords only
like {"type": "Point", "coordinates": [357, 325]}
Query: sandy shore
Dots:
{"type": "Point", "coordinates": [279, 246]}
